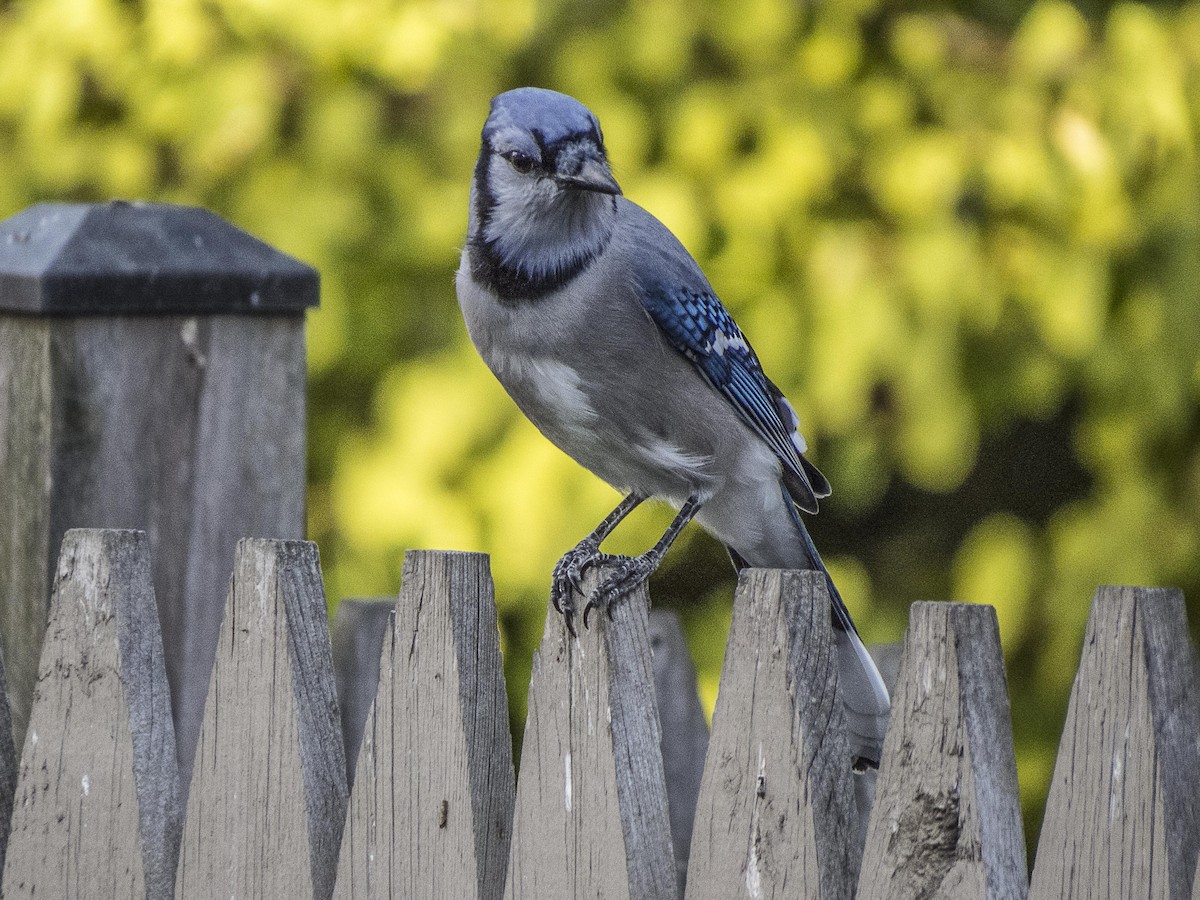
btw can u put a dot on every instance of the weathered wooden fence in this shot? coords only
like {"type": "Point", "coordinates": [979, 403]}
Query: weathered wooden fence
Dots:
{"type": "Point", "coordinates": [152, 376]}
{"type": "Point", "coordinates": [180, 739]}
{"type": "Point", "coordinates": [434, 810]}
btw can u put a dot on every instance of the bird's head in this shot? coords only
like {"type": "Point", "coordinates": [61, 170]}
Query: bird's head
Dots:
{"type": "Point", "coordinates": [543, 196]}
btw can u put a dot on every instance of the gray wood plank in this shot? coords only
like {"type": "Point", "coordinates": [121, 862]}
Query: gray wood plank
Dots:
{"type": "Point", "coordinates": [25, 561]}
{"type": "Point", "coordinates": [591, 814]}
{"type": "Point", "coordinates": [947, 817]}
{"type": "Point", "coordinates": [9, 766]}
{"type": "Point", "coordinates": [684, 730]}
{"type": "Point", "coordinates": [98, 811]}
{"type": "Point", "coordinates": [431, 807]}
{"type": "Point", "coordinates": [1122, 816]}
{"type": "Point", "coordinates": [241, 475]}
{"type": "Point", "coordinates": [359, 627]}
{"type": "Point", "coordinates": [265, 813]}
{"type": "Point", "coordinates": [190, 428]}
{"type": "Point", "coordinates": [776, 810]}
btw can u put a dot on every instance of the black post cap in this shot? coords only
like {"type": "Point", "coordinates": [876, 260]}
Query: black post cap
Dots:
{"type": "Point", "coordinates": [137, 258]}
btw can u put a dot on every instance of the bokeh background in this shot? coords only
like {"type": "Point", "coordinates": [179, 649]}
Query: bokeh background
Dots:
{"type": "Point", "coordinates": [964, 237]}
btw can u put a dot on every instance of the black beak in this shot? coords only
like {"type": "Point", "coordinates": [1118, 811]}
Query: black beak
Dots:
{"type": "Point", "coordinates": [593, 175]}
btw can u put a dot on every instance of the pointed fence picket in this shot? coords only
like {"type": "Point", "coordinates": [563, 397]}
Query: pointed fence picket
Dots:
{"type": "Point", "coordinates": [431, 808]}
{"type": "Point", "coordinates": [946, 821]}
{"type": "Point", "coordinates": [268, 796]}
{"type": "Point", "coordinates": [776, 804]}
{"type": "Point", "coordinates": [1131, 736]}
{"type": "Point", "coordinates": [97, 807]}
{"type": "Point", "coordinates": [591, 814]}
{"type": "Point", "coordinates": [435, 812]}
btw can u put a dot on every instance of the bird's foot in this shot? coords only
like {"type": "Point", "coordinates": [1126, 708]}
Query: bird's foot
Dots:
{"type": "Point", "coordinates": [629, 573]}
{"type": "Point", "coordinates": [567, 579]}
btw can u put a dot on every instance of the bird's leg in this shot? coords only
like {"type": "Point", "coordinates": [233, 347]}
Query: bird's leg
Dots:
{"type": "Point", "coordinates": [632, 571]}
{"type": "Point", "coordinates": [568, 571]}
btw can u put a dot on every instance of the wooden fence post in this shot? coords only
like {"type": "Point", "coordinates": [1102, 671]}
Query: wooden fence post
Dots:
{"type": "Point", "coordinates": [9, 764]}
{"type": "Point", "coordinates": [268, 799]}
{"type": "Point", "coordinates": [97, 811]}
{"type": "Point", "coordinates": [684, 730]}
{"type": "Point", "coordinates": [359, 627]}
{"type": "Point", "coordinates": [1123, 815]}
{"type": "Point", "coordinates": [152, 376]}
{"type": "Point", "coordinates": [776, 811]}
{"type": "Point", "coordinates": [946, 820]}
{"type": "Point", "coordinates": [591, 813]}
{"type": "Point", "coordinates": [431, 808]}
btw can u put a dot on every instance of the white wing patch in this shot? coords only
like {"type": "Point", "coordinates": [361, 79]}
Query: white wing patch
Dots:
{"type": "Point", "coordinates": [721, 342]}
{"type": "Point", "coordinates": [793, 423]}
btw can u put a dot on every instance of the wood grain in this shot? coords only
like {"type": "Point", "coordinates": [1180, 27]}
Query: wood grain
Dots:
{"type": "Point", "coordinates": [431, 808]}
{"type": "Point", "coordinates": [26, 564]}
{"type": "Point", "coordinates": [946, 821]}
{"type": "Point", "coordinates": [268, 798]}
{"type": "Point", "coordinates": [97, 811]}
{"type": "Point", "coordinates": [189, 428]}
{"type": "Point", "coordinates": [591, 814]}
{"type": "Point", "coordinates": [9, 767]}
{"type": "Point", "coordinates": [1122, 815]}
{"type": "Point", "coordinates": [775, 814]}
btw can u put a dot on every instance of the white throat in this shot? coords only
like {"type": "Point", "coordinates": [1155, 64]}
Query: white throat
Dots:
{"type": "Point", "coordinates": [540, 228]}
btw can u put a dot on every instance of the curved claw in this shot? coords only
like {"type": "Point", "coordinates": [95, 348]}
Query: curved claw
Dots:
{"type": "Point", "coordinates": [569, 571]}
{"type": "Point", "coordinates": [564, 605]}
{"type": "Point", "coordinates": [568, 575]}
{"type": "Point", "coordinates": [564, 576]}
{"type": "Point", "coordinates": [631, 573]}
{"type": "Point", "coordinates": [575, 574]}
{"type": "Point", "coordinates": [592, 603]}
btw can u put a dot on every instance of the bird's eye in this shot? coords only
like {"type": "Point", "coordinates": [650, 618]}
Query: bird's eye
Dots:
{"type": "Point", "coordinates": [522, 162]}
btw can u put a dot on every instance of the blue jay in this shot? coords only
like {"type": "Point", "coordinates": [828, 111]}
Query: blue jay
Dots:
{"type": "Point", "coordinates": [607, 335]}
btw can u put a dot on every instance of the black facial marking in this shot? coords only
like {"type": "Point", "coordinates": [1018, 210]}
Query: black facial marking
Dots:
{"type": "Point", "coordinates": [552, 151]}
{"type": "Point", "coordinates": [540, 139]}
{"type": "Point", "coordinates": [512, 285]}
{"type": "Point", "coordinates": [509, 283]}
{"type": "Point", "coordinates": [484, 200]}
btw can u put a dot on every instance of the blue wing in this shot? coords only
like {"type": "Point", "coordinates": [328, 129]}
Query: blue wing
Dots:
{"type": "Point", "coordinates": [697, 324]}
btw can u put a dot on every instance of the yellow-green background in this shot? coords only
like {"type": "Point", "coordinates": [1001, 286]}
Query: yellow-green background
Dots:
{"type": "Point", "coordinates": [963, 236]}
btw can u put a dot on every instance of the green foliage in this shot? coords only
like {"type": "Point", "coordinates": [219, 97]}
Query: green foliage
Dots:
{"type": "Point", "coordinates": [964, 242]}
